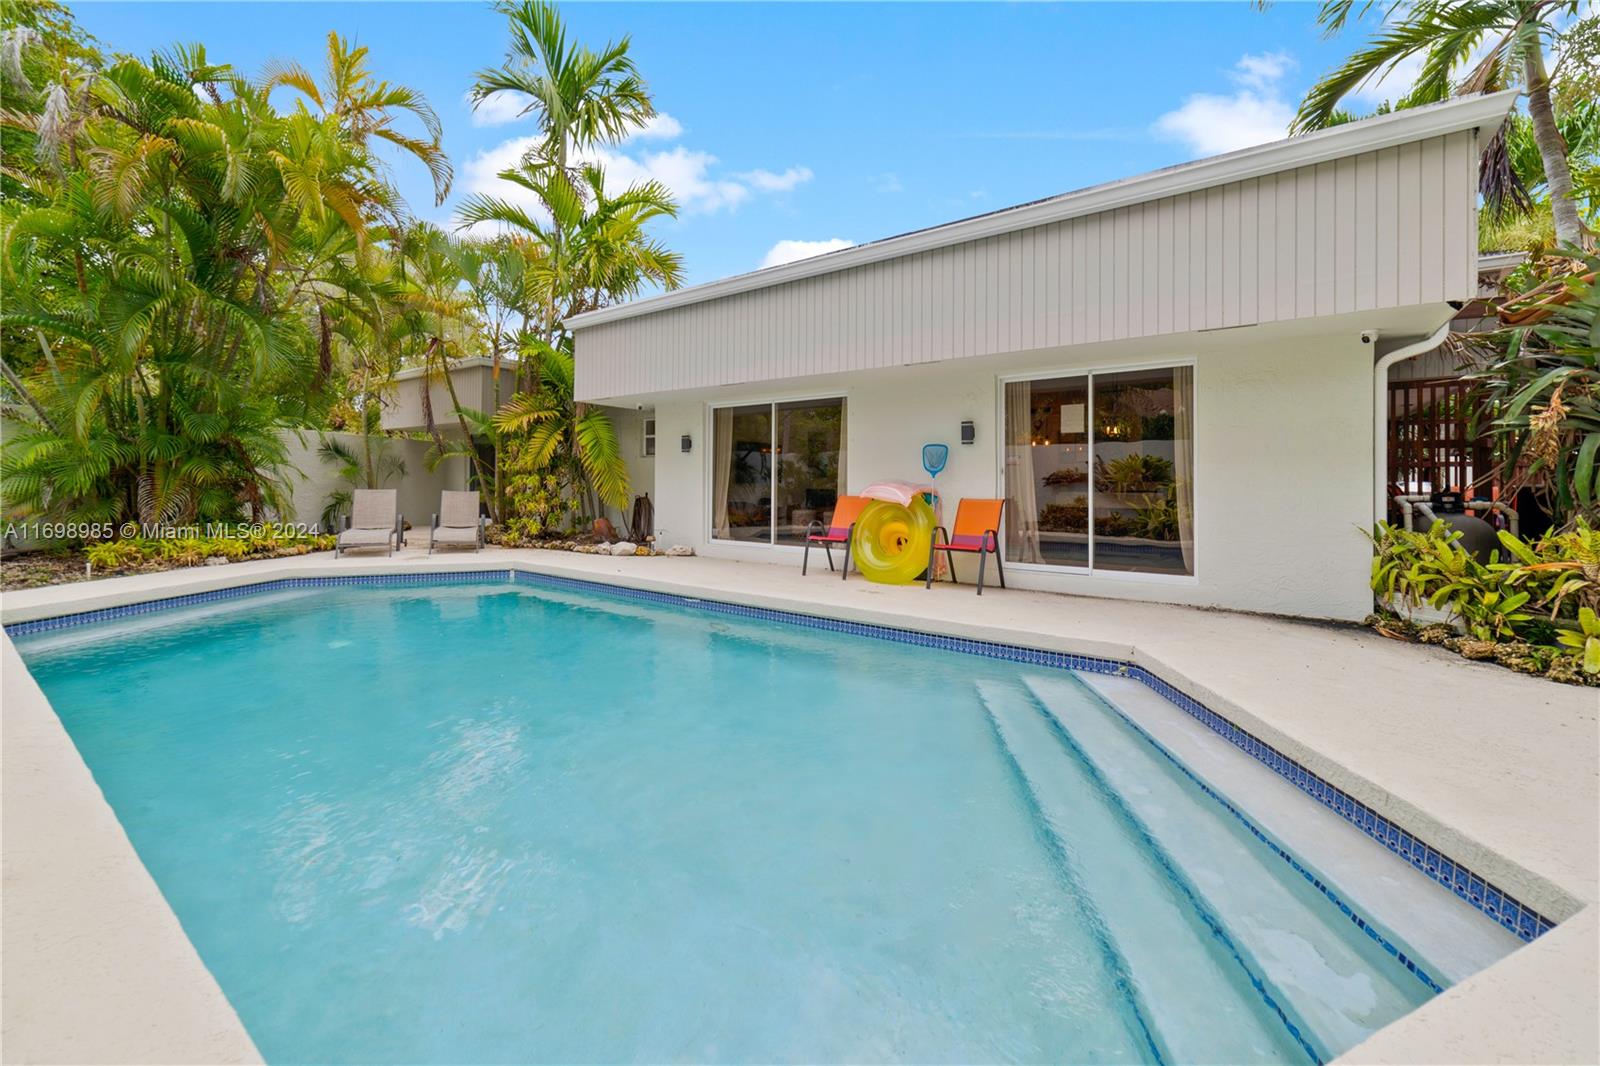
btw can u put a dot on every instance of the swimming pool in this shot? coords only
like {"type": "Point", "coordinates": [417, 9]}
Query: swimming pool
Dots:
{"type": "Point", "coordinates": [507, 822]}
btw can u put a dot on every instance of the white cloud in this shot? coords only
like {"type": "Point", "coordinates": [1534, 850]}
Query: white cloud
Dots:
{"type": "Point", "coordinates": [1215, 124]}
{"type": "Point", "coordinates": [658, 127]}
{"type": "Point", "coordinates": [790, 251]}
{"type": "Point", "coordinates": [1262, 72]}
{"type": "Point", "coordinates": [886, 183]}
{"type": "Point", "coordinates": [505, 107]}
{"type": "Point", "coordinates": [499, 109]}
{"type": "Point", "coordinates": [767, 181]}
{"type": "Point", "coordinates": [688, 174]}
{"type": "Point", "coordinates": [692, 176]}
{"type": "Point", "coordinates": [1210, 124]}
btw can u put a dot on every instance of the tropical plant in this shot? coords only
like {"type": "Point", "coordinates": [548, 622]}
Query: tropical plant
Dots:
{"type": "Point", "coordinates": [591, 248]}
{"type": "Point", "coordinates": [573, 441]}
{"type": "Point", "coordinates": [371, 465]}
{"type": "Point", "coordinates": [1136, 471]}
{"type": "Point", "coordinates": [1541, 390]}
{"type": "Point", "coordinates": [1449, 35]}
{"type": "Point", "coordinates": [175, 264]}
{"type": "Point", "coordinates": [495, 273]}
{"type": "Point", "coordinates": [1543, 593]}
{"type": "Point", "coordinates": [143, 553]}
{"type": "Point", "coordinates": [579, 97]}
{"type": "Point", "coordinates": [365, 108]}
{"type": "Point", "coordinates": [594, 248]}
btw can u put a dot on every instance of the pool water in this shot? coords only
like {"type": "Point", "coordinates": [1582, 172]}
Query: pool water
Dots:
{"type": "Point", "coordinates": [496, 823]}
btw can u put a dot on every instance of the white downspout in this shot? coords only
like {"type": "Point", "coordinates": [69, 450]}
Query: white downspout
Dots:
{"type": "Point", "coordinates": [1380, 412]}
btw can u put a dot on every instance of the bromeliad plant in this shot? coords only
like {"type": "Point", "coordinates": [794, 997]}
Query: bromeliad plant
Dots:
{"type": "Point", "coordinates": [1542, 391]}
{"type": "Point", "coordinates": [1543, 593]}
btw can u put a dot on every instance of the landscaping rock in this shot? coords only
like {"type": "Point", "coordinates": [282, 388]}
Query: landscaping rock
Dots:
{"type": "Point", "coordinates": [1437, 633]}
{"type": "Point", "coordinates": [679, 550]}
{"type": "Point", "coordinates": [1522, 657]}
{"type": "Point", "coordinates": [1475, 649]}
{"type": "Point", "coordinates": [217, 560]}
{"type": "Point", "coordinates": [1568, 670]}
{"type": "Point", "coordinates": [623, 547]}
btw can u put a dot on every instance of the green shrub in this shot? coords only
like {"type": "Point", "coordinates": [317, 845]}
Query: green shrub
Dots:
{"type": "Point", "coordinates": [168, 552]}
{"type": "Point", "coordinates": [1137, 471]}
{"type": "Point", "coordinates": [115, 554]}
{"type": "Point", "coordinates": [1543, 593]}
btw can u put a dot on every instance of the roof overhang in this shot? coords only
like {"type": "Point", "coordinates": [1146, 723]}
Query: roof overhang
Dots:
{"type": "Point", "coordinates": [1484, 112]}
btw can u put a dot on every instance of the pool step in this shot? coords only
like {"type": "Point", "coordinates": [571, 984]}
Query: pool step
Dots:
{"type": "Point", "coordinates": [1157, 945]}
{"type": "Point", "coordinates": [1335, 989]}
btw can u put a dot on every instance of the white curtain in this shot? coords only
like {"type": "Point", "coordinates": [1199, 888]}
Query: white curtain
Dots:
{"type": "Point", "coordinates": [1022, 504]}
{"type": "Point", "coordinates": [844, 435]}
{"type": "Point", "coordinates": [1183, 459]}
{"type": "Point", "coordinates": [721, 470]}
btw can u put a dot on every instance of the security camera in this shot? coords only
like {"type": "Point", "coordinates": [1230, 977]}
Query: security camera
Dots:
{"type": "Point", "coordinates": [1369, 336]}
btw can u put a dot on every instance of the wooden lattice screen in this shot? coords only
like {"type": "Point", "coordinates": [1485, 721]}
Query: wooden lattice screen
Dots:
{"type": "Point", "coordinates": [1431, 447]}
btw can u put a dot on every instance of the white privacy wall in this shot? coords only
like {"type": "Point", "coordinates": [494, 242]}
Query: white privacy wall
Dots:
{"type": "Point", "coordinates": [313, 480]}
{"type": "Point", "coordinates": [1282, 462]}
{"type": "Point", "coordinates": [1381, 229]}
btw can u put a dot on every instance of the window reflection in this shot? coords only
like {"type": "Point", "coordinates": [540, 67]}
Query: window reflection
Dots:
{"type": "Point", "coordinates": [1126, 455]}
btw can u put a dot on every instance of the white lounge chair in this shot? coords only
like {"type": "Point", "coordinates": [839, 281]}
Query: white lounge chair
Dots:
{"type": "Point", "coordinates": [459, 521]}
{"type": "Point", "coordinates": [374, 522]}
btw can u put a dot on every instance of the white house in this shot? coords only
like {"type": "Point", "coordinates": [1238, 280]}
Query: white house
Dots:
{"type": "Point", "coordinates": [1174, 380]}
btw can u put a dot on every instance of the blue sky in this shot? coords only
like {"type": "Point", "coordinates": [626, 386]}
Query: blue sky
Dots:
{"type": "Point", "coordinates": [789, 124]}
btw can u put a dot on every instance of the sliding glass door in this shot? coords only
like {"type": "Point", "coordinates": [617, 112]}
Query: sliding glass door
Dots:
{"type": "Point", "coordinates": [775, 468]}
{"type": "Point", "coordinates": [1099, 471]}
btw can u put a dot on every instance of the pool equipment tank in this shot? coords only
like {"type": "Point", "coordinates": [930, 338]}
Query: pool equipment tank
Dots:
{"type": "Point", "coordinates": [1476, 535]}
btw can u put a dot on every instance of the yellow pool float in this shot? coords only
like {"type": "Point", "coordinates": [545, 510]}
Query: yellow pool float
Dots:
{"type": "Point", "coordinates": [894, 533]}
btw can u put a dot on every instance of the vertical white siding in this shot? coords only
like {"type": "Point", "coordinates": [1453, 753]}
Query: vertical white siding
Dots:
{"type": "Point", "coordinates": [1389, 228]}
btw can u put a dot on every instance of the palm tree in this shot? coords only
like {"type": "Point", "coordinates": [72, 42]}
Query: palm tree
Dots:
{"type": "Point", "coordinates": [495, 274]}
{"type": "Point", "coordinates": [592, 250]}
{"type": "Point", "coordinates": [167, 267]}
{"type": "Point", "coordinates": [582, 97]}
{"type": "Point", "coordinates": [1446, 33]}
{"type": "Point", "coordinates": [573, 439]}
{"type": "Point", "coordinates": [364, 107]}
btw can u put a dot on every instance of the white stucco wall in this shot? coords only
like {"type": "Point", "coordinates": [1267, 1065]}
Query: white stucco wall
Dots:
{"type": "Point", "coordinates": [314, 480]}
{"type": "Point", "coordinates": [628, 422]}
{"type": "Point", "coordinates": [1283, 459]}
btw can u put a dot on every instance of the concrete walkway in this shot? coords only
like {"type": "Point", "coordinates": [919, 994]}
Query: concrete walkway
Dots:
{"type": "Point", "coordinates": [1498, 770]}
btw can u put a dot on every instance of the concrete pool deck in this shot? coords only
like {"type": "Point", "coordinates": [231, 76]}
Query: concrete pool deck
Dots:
{"type": "Point", "coordinates": [1497, 770]}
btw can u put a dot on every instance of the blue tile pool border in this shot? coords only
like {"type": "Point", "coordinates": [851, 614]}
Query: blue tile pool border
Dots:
{"type": "Point", "coordinates": [1469, 886]}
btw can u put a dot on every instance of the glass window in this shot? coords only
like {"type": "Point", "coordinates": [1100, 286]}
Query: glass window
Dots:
{"type": "Point", "coordinates": [1047, 471]}
{"type": "Point", "coordinates": [776, 468]}
{"type": "Point", "coordinates": [741, 478]}
{"type": "Point", "coordinates": [1143, 512]}
{"type": "Point", "coordinates": [647, 444]}
{"type": "Point", "coordinates": [1114, 446]}
{"type": "Point", "coordinates": [808, 446]}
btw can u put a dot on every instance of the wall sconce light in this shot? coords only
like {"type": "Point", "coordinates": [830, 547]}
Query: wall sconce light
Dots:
{"type": "Point", "coordinates": [687, 444]}
{"type": "Point", "coordinates": [969, 432]}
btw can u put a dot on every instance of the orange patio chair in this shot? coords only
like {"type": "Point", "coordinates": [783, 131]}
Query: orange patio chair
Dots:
{"type": "Point", "coordinates": [846, 509]}
{"type": "Point", "coordinates": [977, 529]}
